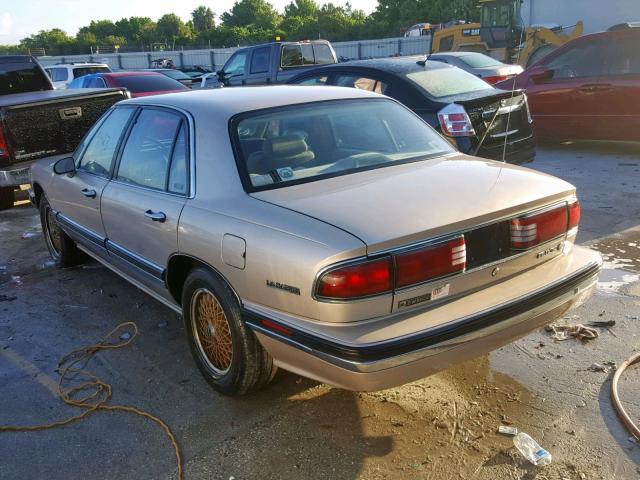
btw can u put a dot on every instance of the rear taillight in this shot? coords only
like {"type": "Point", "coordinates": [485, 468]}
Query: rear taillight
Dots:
{"type": "Point", "coordinates": [430, 262]}
{"type": "Point", "coordinates": [4, 147]}
{"type": "Point", "coordinates": [358, 280]}
{"type": "Point", "coordinates": [497, 78]}
{"type": "Point", "coordinates": [455, 122]}
{"type": "Point", "coordinates": [532, 230]}
{"type": "Point", "coordinates": [388, 273]}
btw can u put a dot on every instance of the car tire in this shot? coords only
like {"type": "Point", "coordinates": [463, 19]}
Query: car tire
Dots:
{"type": "Point", "coordinates": [6, 198]}
{"type": "Point", "coordinates": [62, 249]}
{"type": "Point", "coordinates": [226, 351]}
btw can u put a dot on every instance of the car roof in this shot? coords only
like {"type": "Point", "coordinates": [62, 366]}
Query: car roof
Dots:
{"type": "Point", "coordinates": [393, 65]}
{"type": "Point", "coordinates": [228, 102]}
{"type": "Point", "coordinates": [301, 42]}
{"type": "Point", "coordinates": [456, 54]}
{"type": "Point", "coordinates": [77, 65]}
{"type": "Point", "coordinates": [128, 74]}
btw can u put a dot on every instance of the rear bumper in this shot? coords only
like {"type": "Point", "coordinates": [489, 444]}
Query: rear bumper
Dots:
{"type": "Point", "coordinates": [368, 367]}
{"type": "Point", "coordinates": [15, 176]}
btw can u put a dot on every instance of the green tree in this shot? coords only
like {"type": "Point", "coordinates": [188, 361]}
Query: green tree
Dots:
{"type": "Point", "coordinates": [300, 20]}
{"type": "Point", "coordinates": [54, 41]}
{"type": "Point", "coordinates": [203, 19]}
{"type": "Point", "coordinates": [136, 30]}
{"type": "Point", "coordinates": [171, 28]}
{"type": "Point", "coordinates": [100, 28]}
{"type": "Point", "coordinates": [253, 14]}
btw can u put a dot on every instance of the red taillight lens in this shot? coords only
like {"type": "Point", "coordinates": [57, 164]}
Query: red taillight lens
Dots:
{"type": "Point", "coordinates": [4, 148]}
{"type": "Point", "coordinates": [529, 231]}
{"type": "Point", "coordinates": [498, 78]}
{"type": "Point", "coordinates": [574, 214]}
{"type": "Point", "coordinates": [430, 262]}
{"type": "Point", "coordinates": [455, 122]}
{"type": "Point", "coordinates": [361, 280]}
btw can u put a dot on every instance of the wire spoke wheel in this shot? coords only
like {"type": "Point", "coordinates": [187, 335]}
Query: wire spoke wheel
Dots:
{"type": "Point", "coordinates": [52, 234]}
{"type": "Point", "coordinates": [211, 331]}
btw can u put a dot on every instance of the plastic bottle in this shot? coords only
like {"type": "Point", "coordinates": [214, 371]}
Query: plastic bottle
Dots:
{"type": "Point", "coordinates": [530, 450]}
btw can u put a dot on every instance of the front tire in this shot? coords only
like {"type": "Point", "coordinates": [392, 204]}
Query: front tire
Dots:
{"type": "Point", "coordinates": [7, 197]}
{"type": "Point", "coordinates": [62, 249]}
{"type": "Point", "coordinates": [227, 353]}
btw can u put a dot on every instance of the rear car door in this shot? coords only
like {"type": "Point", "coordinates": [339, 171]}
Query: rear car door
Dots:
{"type": "Point", "coordinates": [141, 206]}
{"type": "Point", "coordinates": [619, 88]}
{"type": "Point", "coordinates": [567, 106]}
{"type": "Point", "coordinates": [77, 196]}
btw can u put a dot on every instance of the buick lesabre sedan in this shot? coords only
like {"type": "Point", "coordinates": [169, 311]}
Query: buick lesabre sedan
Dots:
{"type": "Point", "coordinates": [327, 231]}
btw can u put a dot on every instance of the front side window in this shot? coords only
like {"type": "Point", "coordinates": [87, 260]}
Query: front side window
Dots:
{"type": "Point", "coordinates": [235, 65]}
{"type": "Point", "coordinates": [98, 155]}
{"type": "Point", "coordinates": [146, 156]}
{"type": "Point", "coordinates": [362, 83]}
{"type": "Point", "coordinates": [304, 143]}
{"type": "Point", "coordinates": [291, 56]}
{"type": "Point", "coordinates": [584, 59]}
{"type": "Point", "coordinates": [443, 82]}
{"type": "Point", "coordinates": [260, 60]}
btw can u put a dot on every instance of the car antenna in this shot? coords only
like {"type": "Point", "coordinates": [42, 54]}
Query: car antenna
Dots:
{"type": "Point", "coordinates": [423, 63]}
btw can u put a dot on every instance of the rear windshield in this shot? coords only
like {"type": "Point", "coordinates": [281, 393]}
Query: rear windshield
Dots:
{"type": "Point", "coordinates": [176, 74]}
{"type": "Point", "coordinates": [478, 60]}
{"type": "Point", "coordinates": [149, 83]}
{"type": "Point", "coordinates": [22, 77]}
{"type": "Point", "coordinates": [442, 82]}
{"type": "Point", "coordinates": [303, 143]}
{"type": "Point", "coordinates": [82, 71]}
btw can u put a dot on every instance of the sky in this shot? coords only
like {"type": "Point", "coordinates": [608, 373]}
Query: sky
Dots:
{"type": "Point", "coordinates": [21, 18]}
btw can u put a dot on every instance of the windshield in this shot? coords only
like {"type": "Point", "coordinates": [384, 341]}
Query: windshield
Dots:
{"type": "Point", "coordinates": [22, 77]}
{"type": "Point", "coordinates": [149, 83]}
{"type": "Point", "coordinates": [304, 143]}
{"type": "Point", "coordinates": [443, 82]}
{"type": "Point", "coordinates": [500, 14]}
{"type": "Point", "coordinates": [478, 60]}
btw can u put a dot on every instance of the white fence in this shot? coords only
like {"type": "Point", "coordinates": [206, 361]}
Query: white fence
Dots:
{"type": "Point", "coordinates": [215, 58]}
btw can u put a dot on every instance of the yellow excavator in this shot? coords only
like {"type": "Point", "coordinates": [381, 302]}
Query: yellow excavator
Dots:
{"type": "Point", "coordinates": [501, 35]}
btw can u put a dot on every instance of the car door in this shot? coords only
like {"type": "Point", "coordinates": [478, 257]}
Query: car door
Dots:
{"type": "Point", "coordinates": [619, 88]}
{"type": "Point", "coordinates": [566, 105]}
{"type": "Point", "coordinates": [235, 69]}
{"type": "Point", "coordinates": [259, 67]}
{"type": "Point", "coordinates": [77, 195]}
{"type": "Point", "coordinates": [141, 206]}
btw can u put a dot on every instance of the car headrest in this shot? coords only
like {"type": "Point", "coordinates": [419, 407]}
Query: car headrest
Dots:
{"type": "Point", "coordinates": [284, 146]}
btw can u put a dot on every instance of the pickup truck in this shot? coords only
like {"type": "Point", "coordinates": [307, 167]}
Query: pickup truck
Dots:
{"type": "Point", "coordinates": [273, 63]}
{"type": "Point", "coordinates": [38, 121]}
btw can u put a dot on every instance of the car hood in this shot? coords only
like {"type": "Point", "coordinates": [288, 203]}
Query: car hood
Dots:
{"type": "Point", "coordinates": [404, 204]}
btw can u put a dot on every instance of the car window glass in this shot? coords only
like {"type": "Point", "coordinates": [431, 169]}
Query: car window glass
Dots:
{"type": "Point", "coordinates": [95, 82]}
{"type": "Point", "coordinates": [60, 75]}
{"type": "Point", "coordinates": [82, 71]}
{"type": "Point", "coordinates": [291, 56]}
{"type": "Point", "coordinates": [313, 81]}
{"type": "Point", "coordinates": [307, 54]}
{"type": "Point", "coordinates": [446, 81]}
{"type": "Point", "coordinates": [362, 83]}
{"type": "Point", "coordinates": [322, 54]}
{"type": "Point", "coordinates": [145, 157]}
{"type": "Point", "coordinates": [236, 63]}
{"type": "Point", "coordinates": [178, 171]}
{"type": "Point", "coordinates": [22, 76]}
{"type": "Point", "coordinates": [98, 156]}
{"type": "Point", "coordinates": [624, 57]}
{"type": "Point", "coordinates": [260, 60]}
{"type": "Point", "coordinates": [583, 59]}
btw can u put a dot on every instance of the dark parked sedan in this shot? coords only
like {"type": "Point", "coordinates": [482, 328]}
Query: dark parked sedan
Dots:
{"type": "Point", "coordinates": [473, 115]}
{"type": "Point", "coordinates": [140, 84]}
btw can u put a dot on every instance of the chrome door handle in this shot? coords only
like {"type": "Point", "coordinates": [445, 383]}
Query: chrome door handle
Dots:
{"type": "Point", "coordinates": [155, 216]}
{"type": "Point", "coordinates": [88, 192]}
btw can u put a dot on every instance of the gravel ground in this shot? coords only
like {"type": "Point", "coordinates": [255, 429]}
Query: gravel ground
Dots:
{"type": "Point", "coordinates": [440, 427]}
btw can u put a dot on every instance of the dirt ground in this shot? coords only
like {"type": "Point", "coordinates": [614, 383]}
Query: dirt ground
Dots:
{"type": "Point", "coordinates": [441, 427]}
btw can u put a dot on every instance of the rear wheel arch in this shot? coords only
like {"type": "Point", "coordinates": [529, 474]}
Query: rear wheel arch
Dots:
{"type": "Point", "coordinates": [38, 192]}
{"type": "Point", "coordinates": [178, 269]}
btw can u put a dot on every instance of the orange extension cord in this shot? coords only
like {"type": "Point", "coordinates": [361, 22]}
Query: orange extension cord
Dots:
{"type": "Point", "coordinates": [626, 419]}
{"type": "Point", "coordinates": [96, 392]}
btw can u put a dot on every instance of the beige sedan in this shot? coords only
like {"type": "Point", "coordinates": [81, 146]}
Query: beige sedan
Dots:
{"type": "Point", "coordinates": [327, 231]}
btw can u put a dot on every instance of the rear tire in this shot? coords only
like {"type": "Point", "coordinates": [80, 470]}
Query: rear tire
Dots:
{"type": "Point", "coordinates": [226, 352]}
{"type": "Point", "coordinates": [62, 249]}
{"type": "Point", "coordinates": [7, 197]}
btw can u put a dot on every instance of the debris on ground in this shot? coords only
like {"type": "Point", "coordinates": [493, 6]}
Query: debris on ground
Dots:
{"type": "Point", "coordinates": [578, 330]}
{"type": "Point", "coordinates": [632, 317]}
{"type": "Point", "coordinates": [531, 450]}
{"type": "Point", "coordinates": [27, 235]}
{"type": "Point", "coordinates": [7, 298]}
{"type": "Point", "coordinates": [606, 324]}
{"type": "Point", "coordinates": [125, 336]}
{"type": "Point", "coordinates": [598, 367]}
{"type": "Point", "coordinates": [506, 430]}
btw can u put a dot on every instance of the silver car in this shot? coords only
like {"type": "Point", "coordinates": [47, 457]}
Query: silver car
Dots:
{"type": "Point", "coordinates": [327, 231]}
{"type": "Point", "coordinates": [489, 69]}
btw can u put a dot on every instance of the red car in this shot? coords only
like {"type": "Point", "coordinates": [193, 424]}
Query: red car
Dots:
{"type": "Point", "coordinates": [139, 84]}
{"type": "Point", "coordinates": [588, 89]}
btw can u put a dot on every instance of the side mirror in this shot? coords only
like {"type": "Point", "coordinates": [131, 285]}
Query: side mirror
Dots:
{"type": "Point", "coordinates": [220, 73]}
{"type": "Point", "coordinates": [64, 165]}
{"type": "Point", "coordinates": [541, 74]}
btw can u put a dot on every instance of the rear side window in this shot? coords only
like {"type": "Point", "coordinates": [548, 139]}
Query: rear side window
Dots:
{"type": "Point", "coordinates": [178, 171]}
{"type": "Point", "coordinates": [98, 156]}
{"type": "Point", "coordinates": [313, 81]}
{"type": "Point", "coordinates": [323, 54]}
{"type": "Point", "coordinates": [149, 83]}
{"type": "Point", "coordinates": [22, 77]}
{"type": "Point", "coordinates": [95, 82]}
{"type": "Point", "coordinates": [291, 56]}
{"type": "Point", "coordinates": [362, 83]}
{"type": "Point", "coordinates": [583, 59]}
{"type": "Point", "coordinates": [59, 74]}
{"type": "Point", "coordinates": [443, 82]}
{"type": "Point", "coordinates": [81, 71]}
{"type": "Point", "coordinates": [147, 154]}
{"type": "Point", "coordinates": [623, 57]}
{"type": "Point", "coordinates": [260, 60]}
